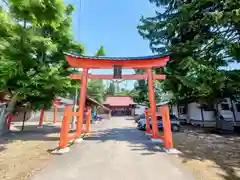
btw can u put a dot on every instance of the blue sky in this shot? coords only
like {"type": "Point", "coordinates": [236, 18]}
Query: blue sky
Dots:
{"type": "Point", "coordinates": [112, 24]}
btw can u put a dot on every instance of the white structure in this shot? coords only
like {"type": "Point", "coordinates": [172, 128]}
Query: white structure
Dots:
{"type": "Point", "coordinates": [140, 109]}
{"type": "Point", "coordinates": [182, 111]}
{"type": "Point", "coordinates": [205, 116]}
{"type": "Point", "coordinates": [182, 114]}
{"type": "Point", "coordinates": [200, 116]}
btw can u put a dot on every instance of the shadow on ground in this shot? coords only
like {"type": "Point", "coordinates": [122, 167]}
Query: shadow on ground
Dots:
{"type": "Point", "coordinates": [137, 140]}
{"type": "Point", "coordinates": [202, 145]}
{"type": "Point", "coordinates": [194, 143]}
{"type": "Point", "coordinates": [30, 133]}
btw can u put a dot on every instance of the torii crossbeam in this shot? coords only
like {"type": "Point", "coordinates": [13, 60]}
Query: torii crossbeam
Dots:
{"type": "Point", "coordinates": [147, 63]}
{"type": "Point", "coordinates": [125, 77]}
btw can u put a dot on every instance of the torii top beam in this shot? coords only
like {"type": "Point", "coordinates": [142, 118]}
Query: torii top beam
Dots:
{"type": "Point", "coordinates": [96, 62]}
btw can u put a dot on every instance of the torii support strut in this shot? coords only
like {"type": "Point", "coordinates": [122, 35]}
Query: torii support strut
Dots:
{"type": "Point", "coordinates": [147, 63]}
{"type": "Point", "coordinates": [82, 101]}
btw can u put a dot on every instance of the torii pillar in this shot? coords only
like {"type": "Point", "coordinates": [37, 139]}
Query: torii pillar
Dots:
{"type": "Point", "coordinates": [145, 63]}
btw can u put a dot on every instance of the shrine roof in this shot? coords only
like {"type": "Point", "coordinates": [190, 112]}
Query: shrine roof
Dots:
{"type": "Point", "coordinates": [117, 58]}
{"type": "Point", "coordinates": [119, 101]}
{"type": "Point", "coordinates": [79, 61]}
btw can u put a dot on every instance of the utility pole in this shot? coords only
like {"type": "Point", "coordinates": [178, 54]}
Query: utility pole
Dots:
{"type": "Point", "coordinates": [74, 119]}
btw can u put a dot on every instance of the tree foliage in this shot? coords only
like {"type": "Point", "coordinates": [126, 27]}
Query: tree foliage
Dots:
{"type": "Point", "coordinates": [35, 35]}
{"type": "Point", "coordinates": [111, 91]}
{"type": "Point", "coordinates": [96, 88]}
{"type": "Point", "coordinates": [201, 37]}
{"type": "Point", "coordinates": [140, 91]}
{"type": "Point", "coordinates": [101, 52]}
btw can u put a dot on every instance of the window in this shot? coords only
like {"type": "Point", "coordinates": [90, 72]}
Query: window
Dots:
{"type": "Point", "coordinates": [182, 110]}
{"type": "Point", "coordinates": [142, 116]}
{"type": "Point", "coordinates": [208, 107]}
{"type": "Point", "coordinates": [238, 107]}
{"type": "Point", "coordinates": [172, 116]}
{"type": "Point", "coordinates": [225, 106]}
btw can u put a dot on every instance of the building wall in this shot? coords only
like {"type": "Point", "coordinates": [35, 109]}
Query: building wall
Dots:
{"type": "Point", "coordinates": [182, 112]}
{"type": "Point", "coordinates": [194, 116]}
{"type": "Point", "coordinates": [226, 113]}
{"type": "Point", "coordinates": [236, 106]}
{"type": "Point", "coordinates": [121, 110]}
{"type": "Point", "coordinates": [226, 108]}
{"type": "Point", "coordinates": [194, 113]}
{"type": "Point", "coordinates": [140, 109]}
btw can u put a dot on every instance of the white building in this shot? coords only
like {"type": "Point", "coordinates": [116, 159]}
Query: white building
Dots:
{"type": "Point", "coordinates": [205, 116]}
{"type": "Point", "coordinates": [140, 109]}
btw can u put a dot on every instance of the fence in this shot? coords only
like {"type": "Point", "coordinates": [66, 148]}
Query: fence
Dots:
{"type": "Point", "coordinates": [65, 136]}
{"type": "Point", "coordinates": [167, 137]}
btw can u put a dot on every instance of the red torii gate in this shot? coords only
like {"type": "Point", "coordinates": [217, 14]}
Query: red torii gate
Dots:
{"type": "Point", "coordinates": [146, 63]}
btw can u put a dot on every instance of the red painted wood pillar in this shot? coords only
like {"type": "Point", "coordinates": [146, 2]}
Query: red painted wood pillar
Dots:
{"type": "Point", "coordinates": [88, 120]}
{"type": "Point", "coordinates": [152, 101]}
{"type": "Point", "coordinates": [55, 114]}
{"type": "Point", "coordinates": [148, 129]}
{"type": "Point", "coordinates": [82, 100]}
{"type": "Point", "coordinates": [168, 141]}
{"type": "Point", "coordinates": [41, 117]}
{"type": "Point", "coordinates": [9, 120]}
{"type": "Point", "coordinates": [63, 143]}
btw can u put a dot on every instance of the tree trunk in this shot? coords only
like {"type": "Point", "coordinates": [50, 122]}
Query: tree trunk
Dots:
{"type": "Point", "coordinates": [178, 111]}
{"type": "Point", "coordinates": [4, 115]}
{"type": "Point", "coordinates": [233, 111]}
{"type": "Point", "coordinates": [3, 121]}
{"type": "Point", "coordinates": [202, 115]}
{"type": "Point", "coordinates": [218, 123]}
{"type": "Point", "coordinates": [24, 119]}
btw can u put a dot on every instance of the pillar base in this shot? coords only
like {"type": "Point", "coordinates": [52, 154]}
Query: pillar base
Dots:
{"type": "Point", "coordinates": [78, 140]}
{"type": "Point", "coordinates": [95, 122]}
{"type": "Point", "coordinates": [172, 151]}
{"type": "Point", "coordinates": [148, 134]}
{"type": "Point", "coordinates": [61, 151]}
{"type": "Point", "coordinates": [85, 134]}
{"type": "Point", "coordinates": [157, 140]}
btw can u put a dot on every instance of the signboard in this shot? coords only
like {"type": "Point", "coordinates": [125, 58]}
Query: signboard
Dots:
{"type": "Point", "coordinates": [117, 72]}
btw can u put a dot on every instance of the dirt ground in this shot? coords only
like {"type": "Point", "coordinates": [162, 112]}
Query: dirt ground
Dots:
{"type": "Point", "coordinates": [209, 156]}
{"type": "Point", "coordinates": [24, 153]}
{"type": "Point", "coordinates": [115, 150]}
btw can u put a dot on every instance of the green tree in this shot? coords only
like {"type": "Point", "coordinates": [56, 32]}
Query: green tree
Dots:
{"type": "Point", "coordinates": [200, 36]}
{"type": "Point", "coordinates": [96, 88]}
{"type": "Point", "coordinates": [35, 35]}
{"type": "Point", "coordinates": [111, 89]}
{"type": "Point", "coordinates": [123, 92]}
{"type": "Point", "coordinates": [140, 91]}
{"type": "Point", "coordinates": [101, 52]}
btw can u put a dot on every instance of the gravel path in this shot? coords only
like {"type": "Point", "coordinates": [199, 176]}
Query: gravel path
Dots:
{"type": "Point", "coordinates": [115, 150]}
